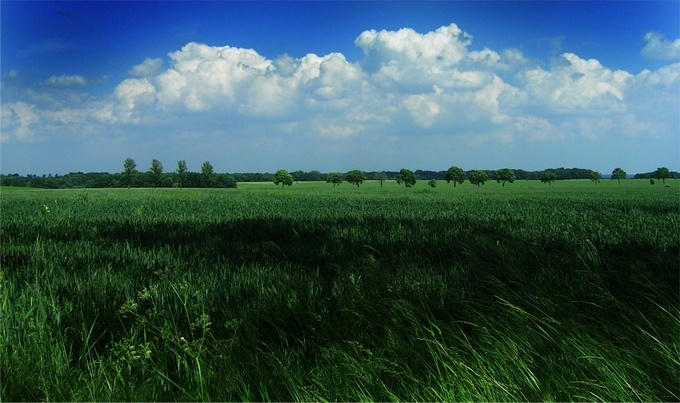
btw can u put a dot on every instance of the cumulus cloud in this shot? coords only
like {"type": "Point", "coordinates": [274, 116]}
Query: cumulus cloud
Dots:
{"type": "Point", "coordinates": [406, 60]}
{"type": "Point", "coordinates": [660, 48]}
{"type": "Point", "coordinates": [18, 119]}
{"type": "Point", "coordinates": [398, 75]}
{"type": "Point", "coordinates": [575, 85]}
{"type": "Point", "coordinates": [135, 96]}
{"type": "Point", "coordinates": [64, 81]}
{"type": "Point", "coordinates": [149, 67]}
{"type": "Point", "coordinates": [418, 85]}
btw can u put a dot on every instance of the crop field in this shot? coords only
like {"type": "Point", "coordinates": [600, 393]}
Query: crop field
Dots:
{"type": "Point", "coordinates": [523, 292]}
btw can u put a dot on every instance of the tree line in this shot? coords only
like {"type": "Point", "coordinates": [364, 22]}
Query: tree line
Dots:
{"type": "Point", "coordinates": [181, 177]}
{"type": "Point", "coordinates": [457, 175]}
{"type": "Point", "coordinates": [130, 177]}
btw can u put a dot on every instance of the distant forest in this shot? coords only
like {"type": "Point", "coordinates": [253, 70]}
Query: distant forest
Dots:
{"type": "Point", "coordinates": [224, 180]}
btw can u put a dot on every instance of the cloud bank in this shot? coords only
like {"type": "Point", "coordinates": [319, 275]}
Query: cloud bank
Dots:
{"type": "Point", "coordinates": [660, 48]}
{"type": "Point", "coordinates": [430, 86]}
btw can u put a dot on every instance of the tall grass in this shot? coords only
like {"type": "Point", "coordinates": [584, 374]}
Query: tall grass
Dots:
{"type": "Point", "coordinates": [358, 294]}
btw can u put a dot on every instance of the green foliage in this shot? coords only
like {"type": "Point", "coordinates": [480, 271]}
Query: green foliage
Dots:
{"type": "Point", "coordinates": [595, 176]}
{"type": "Point", "coordinates": [432, 183]}
{"type": "Point", "coordinates": [456, 175]}
{"type": "Point", "coordinates": [335, 178]}
{"type": "Point", "coordinates": [156, 172]}
{"type": "Point", "coordinates": [355, 177]}
{"type": "Point", "coordinates": [207, 174]}
{"type": "Point", "coordinates": [381, 177]}
{"type": "Point", "coordinates": [548, 177]}
{"type": "Point", "coordinates": [406, 176]}
{"type": "Point", "coordinates": [283, 177]}
{"type": "Point", "coordinates": [478, 177]}
{"type": "Point", "coordinates": [618, 174]}
{"type": "Point", "coordinates": [662, 173]}
{"type": "Point", "coordinates": [129, 171]}
{"type": "Point", "coordinates": [318, 294]}
{"type": "Point", "coordinates": [181, 172]}
{"type": "Point", "coordinates": [504, 175]}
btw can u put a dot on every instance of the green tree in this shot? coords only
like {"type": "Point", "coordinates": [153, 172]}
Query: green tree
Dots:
{"type": "Point", "coordinates": [478, 177]}
{"type": "Point", "coordinates": [455, 175]}
{"type": "Point", "coordinates": [662, 173]}
{"type": "Point", "coordinates": [225, 181]}
{"type": "Point", "coordinates": [283, 177]}
{"type": "Point", "coordinates": [595, 176]}
{"type": "Point", "coordinates": [207, 174]}
{"type": "Point", "coordinates": [355, 177]}
{"type": "Point", "coordinates": [433, 183]}
{"type": "Point", "coordinates": [156, 172]}
{"type": "Point", "coordinates": [618, 174]}
{"type": "Point", "coordinates": [335, 178]}
{"type": "Point", "coordinates": [406, 176]}
{"type": "Point", "coordinates": [380, 177]}
{"type": "Point", "coordinates": [548, 177]}
{"type": "Point", "coordinates": [314, 176]}
{"type": "Point", "coordinates": [181, 172]}
{"type": "Point", "coordinates": [129, 171]}
{"type": "Point", "coordinates": [504, 175]}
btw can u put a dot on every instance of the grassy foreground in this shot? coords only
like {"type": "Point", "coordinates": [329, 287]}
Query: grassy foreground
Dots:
{"type": "Point", "coordinates": [525, 292]}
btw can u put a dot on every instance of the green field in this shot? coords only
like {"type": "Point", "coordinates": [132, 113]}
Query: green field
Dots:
{"type": "Point", "coordinates": [525, 292]}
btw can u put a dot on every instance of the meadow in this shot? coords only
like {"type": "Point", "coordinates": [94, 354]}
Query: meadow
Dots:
{"type": "Point", "coordinates": [526, 292]}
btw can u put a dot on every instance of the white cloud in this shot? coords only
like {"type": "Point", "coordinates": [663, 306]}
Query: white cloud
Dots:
{"type": "Point", "coordinates": [18, 121]}
{"type": "Point", "coordinates": [239, 82]}
{"type": "Point", "coordinates": [592, 128]}
{"type": "Point", "coordinates": [149, 67]}
{"type": "Point", "coordinates": [664, 79]}
{"type": "Point", "coordinates": [424, 108]}
{"type": "Point", "coordinates": [204, 77]}
{"type": "Point", "coordinates": [405, 60]}
{"type": "Point", "coordinates": [575, 85]}
{"type": "Point", "coordinates": [537, 128]}
{"type": "Point", "coordinates": [660, 48]}
{"type": "Point", "coordinates": [338, 130]}
{"type": "Point", "coordinates": [427, 90]}
{"type": "Point", "coordinates": [135, 96]}
{"type": "Point", "coordinates": [654, 96]}
{"type": "Point", "coordinates": [66, 81]}
{"type": "Point", "coordinates": [445, 46]}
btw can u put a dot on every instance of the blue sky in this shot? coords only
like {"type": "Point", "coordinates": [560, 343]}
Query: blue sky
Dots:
{"type": "Point", "coordinates": [334, 86]}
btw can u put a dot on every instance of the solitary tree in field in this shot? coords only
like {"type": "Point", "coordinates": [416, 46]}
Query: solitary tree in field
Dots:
{"type": "Point", "coordinates": [455, 175]}
{"type": "Point", "coordinates": [478, 177]}
{"type": "Point", "coordinates": [548, 177]}
{"type": "Point", "coordinates": [380, 177]}
{"type": "Point", "coordinates": [181, 172]}
{"type": "Point", "coordinates": [406, 176]}
{"type": "Point", "coordinates": [129, 171]}
{"type": "Point", "coordinates": [433, 183]}
{"type": "Point", "coordinates": [283, 177]}
{"type": "Point", "coordinates": [662, 173]}
{"type": "Point", "coordinates": [355, 177]}
{"type": "Point", "coordinates": [595, 176]}
{"type": "Point", "coordinates": [504, 175]}
{"type": "Point", "coordinates": [618, 174]}
{"type": "Point", "coordinates": [334, 177]}
{"type": "Point", "coordinates": [156, 172]}
{"type": "Point", "coordinates": [207, 173]}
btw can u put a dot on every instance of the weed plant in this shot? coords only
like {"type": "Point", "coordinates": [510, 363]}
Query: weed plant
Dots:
{"type": "Point", "coordinates": [494, 293]}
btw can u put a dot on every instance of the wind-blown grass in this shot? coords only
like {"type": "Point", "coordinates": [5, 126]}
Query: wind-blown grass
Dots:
{"type": "Point", "coordinates": [519, 293]}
